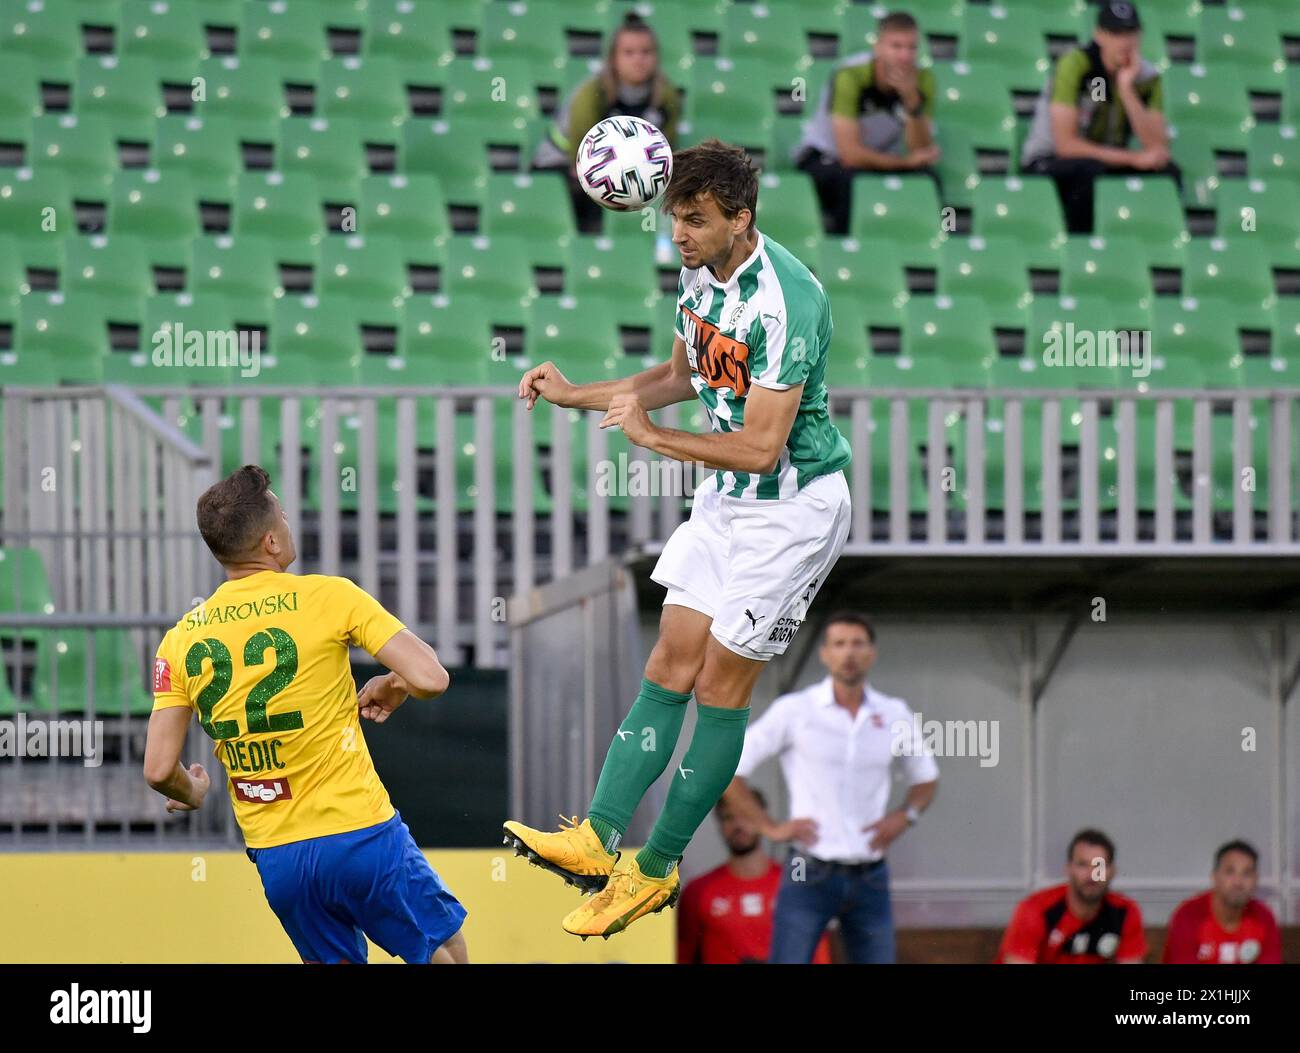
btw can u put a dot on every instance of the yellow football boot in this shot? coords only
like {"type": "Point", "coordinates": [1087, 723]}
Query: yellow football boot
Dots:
{"type": "Point", "coordinates": [629, 895]}
{"type": "Point", "coordinates": [574, 852]}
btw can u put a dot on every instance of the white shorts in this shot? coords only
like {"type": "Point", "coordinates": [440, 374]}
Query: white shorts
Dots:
{"type": "Point", "coordinates": [754, 566]}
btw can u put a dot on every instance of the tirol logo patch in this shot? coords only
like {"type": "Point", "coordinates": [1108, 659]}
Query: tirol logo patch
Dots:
{"type": "Point", "coordinates": [162, 675]}
{"type": "Point", "coordinates": [261, 791]}
{"type": "Point", "coordinates": [721, 360]}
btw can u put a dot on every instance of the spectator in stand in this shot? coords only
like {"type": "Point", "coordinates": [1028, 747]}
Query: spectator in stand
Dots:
{"type": "Point", "coordinates": [725, 916]}
{"type": "Point", "coordinates": [1080, 922]}
{"type": "Point", "coordinates": [1097, 99]}
{"type": "Point", "coordinates": [630, 83]}
{"type": "Point", "coordinates": [1226, 925]}
{"type": "Point", "coordinates": [875, 115]}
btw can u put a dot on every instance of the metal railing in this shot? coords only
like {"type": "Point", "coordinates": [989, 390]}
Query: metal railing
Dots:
{"type": "Point", "coordinates": [446, 501]}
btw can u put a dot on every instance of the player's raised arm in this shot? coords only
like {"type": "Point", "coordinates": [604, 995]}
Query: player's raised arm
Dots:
{"type": "Point", "coordinates": [769, 415]}
{"type": "Point", "coordinates": [661, 385]}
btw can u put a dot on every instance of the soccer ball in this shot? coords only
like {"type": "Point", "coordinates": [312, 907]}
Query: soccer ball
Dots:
{"type": "Point", "coordinates": [624, 163]}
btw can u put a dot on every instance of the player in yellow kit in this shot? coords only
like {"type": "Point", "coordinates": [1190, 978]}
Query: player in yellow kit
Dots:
{"type": "Point", "coordinates": [264, 663]}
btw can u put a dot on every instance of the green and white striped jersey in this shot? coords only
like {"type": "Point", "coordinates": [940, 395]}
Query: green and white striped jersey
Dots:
{"type": "Point", "coordinates": [770, 325]}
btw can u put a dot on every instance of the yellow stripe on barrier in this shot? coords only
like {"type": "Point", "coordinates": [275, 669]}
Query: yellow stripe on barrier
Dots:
{"type": "Point", "coordinates": [185, 907]}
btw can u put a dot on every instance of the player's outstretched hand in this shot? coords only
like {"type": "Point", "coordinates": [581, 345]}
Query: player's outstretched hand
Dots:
{"type": "Point", "coordinates": [201, 784]}
{"type": "Point", "coordinates": [380, 696]}
{"type": "Point", "coordinates": [546, 382]}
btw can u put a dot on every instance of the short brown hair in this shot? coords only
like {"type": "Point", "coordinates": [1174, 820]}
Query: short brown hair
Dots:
{"type": "Point", "coordinates": [850, 618]}
{"type": "Point", "coordinates": [717, 168]}
{"type": "Point", "coordinates": [895, 22]}
{"type": "Point", "coordinates": [235, 512]}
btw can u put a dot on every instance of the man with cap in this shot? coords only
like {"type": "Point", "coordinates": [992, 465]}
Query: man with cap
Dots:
{"type": "Point", "coordinates": [1098, 99]}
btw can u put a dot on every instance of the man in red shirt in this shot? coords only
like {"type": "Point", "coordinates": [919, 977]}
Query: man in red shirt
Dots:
{"type": "Point", "coordinates": [1227, 925]}
{"type": "Point", "coordinates": [725, 916]}
{"type": "Point", "coordinates": [1081, 922]}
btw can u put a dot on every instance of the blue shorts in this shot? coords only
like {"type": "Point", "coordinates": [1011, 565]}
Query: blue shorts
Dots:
{"type": "Point", "coordinates": [331, 892]}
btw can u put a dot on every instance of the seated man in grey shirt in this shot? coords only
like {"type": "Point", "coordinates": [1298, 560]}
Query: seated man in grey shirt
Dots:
{"type": "Point", "coordinates": [875, 115]}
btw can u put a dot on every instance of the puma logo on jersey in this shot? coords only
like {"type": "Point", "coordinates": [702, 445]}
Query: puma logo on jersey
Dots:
{"type": "Point", "coordinates": [685, 771]}
{"type": "Point", "coordinates": [753, 618]}
{"type": "Point", "coordinates": [622, 735]}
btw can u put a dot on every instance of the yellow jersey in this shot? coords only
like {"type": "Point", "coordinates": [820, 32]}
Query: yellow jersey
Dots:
{"type": "Point", "coordinates": [264, 663]}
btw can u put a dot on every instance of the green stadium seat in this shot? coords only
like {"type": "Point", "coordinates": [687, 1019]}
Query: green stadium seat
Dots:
{"type": "Point", "coordinates": [49, 32]}
{"type": "Point", "coordinates": [1002, 35]}
{"type": "Point", "coordinates": [415, 36]}
{"type": "Point", "coordinates": [994, 269]}
{"type": "Point", "coordinates": [1232, 270]}
{"type": "Point", "coordinates": [616, 271]}
{"type": "Point", "coordinates": [1273, 152]}
{"type": "Point", "coordinates": [1108, 267]}
{"type": "Point", "coordinates": [788, 211]}
{"type": "Point", "coordinates": [955, 328]}
{"type": "Point", "coordinates": [1175, 17]}
{"type": "Point", "coordinates": [205, 147]}
{"type": "Point", "coordinates": [24, 585]}
{"type": "Point", "coordinates": [70, 328]}
{"type": "Point", "coordinates": [410, 208]}
{"type": "Point", "coordinates": [1265, 212]}
{"type": "Point", "coordinates": [1199, 330]}
{"type": "Point", "coordinates": [245, 89]}
{"type": "Point", "coordinates": [124, 91]}
{"type": "Point", "coordinates": [580, 335]}
{"type": "Point", "coordinates": [291, 35]}
{"type": "Point", "coordinates": [158, 205]}
{"type": "Point", "coordinates": [490, 88]}
{"type": "Point", "coordinates": [460, 152]}
{"type": "Point", "coordinates": [1147, 210]}
{"type": "Point", "coordinates": [286, 208]}
{"type": "Point", "coordinates": [320, 328]}
{"type": "Point", "coordinates": [449, 330]}
{"type": "Point", "coordinates": [533, 205]}
{"type": "Point", "coordinates": [490, 267]}
{"type": "Point", "coordinates": [82, 148]}
{"type": "Point", "coordinates": [531, 32]}
{"type": "Point", "coordinates": [1208, 105]}
{"type": "Point", "coordinates": [237, 268]}
{"type": "Point", "coordinates": [772, 33]}
{"type": "Point", "coordinates": [61, 683]}
{"type": "Point", "coordinates": [368, 90]}
{"type": "Point", "coordinates": [901, 209]}
{"type": "Point", "coordinates": [1059, 328]}
{"type": "Point", "coordinates": [363, 268]}
{"type": "Point", "coordinates": [1025, 208]}
{"type": "Point", "coordinates": [976, 97]}
{"type": "Point", "coordinates": [20, 97]}
{"type": "Point", "coordinates": [1242, 40]}
{"type": "Point", "coordinates": [36, 209]}
{"type": "Point", "coordinates": [327, 149]}
{"type": "Point", "coordinates": [115, 269]}
{"type": "Point", "coordinates": [726, 98]}
{"type": "Point", "coordinates": [852, 273]}
{"type": "Point", "coordinates": [167, 32]}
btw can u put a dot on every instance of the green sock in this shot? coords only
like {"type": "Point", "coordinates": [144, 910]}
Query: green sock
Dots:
{"type": "Point", "coordinates": [637, 756]}
{"type": "Point", "coordinates": [705, 772]}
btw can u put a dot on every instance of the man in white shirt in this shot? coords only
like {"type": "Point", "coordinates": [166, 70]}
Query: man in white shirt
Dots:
{"type": "Point", "coordinates": [836, 741]}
